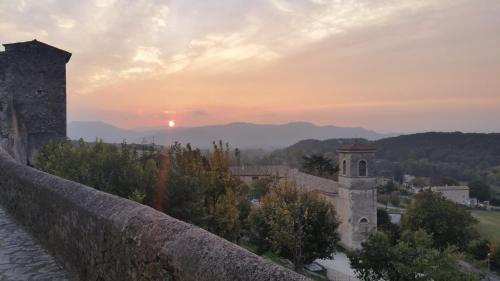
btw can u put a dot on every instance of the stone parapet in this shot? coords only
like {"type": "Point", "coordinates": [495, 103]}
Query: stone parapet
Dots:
{"type": "Point", "coordinates": [99, 236]}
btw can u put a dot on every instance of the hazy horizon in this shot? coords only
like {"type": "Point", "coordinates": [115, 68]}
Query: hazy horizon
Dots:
{"type": "Point", "coordinates": [385, 65]}
{"type": "Point", "coordinates": [164, 126]}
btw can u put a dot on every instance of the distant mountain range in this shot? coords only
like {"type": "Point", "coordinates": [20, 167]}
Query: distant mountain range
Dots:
{"type": "Point", "coordinates": [242, 135]}
{"type": "Point", "coordinates": [463, 156]}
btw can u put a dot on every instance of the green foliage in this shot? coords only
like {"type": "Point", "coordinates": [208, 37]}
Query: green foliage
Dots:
{"type": "Point", "coordinates": [495, 255]}
{"type": "Point", "coordinates": [179, 181]}
{"type": "Point", "coordinates": [420, 182]}
{"type": "Point", "coordinates": [374, 261]}
{"type": "Point", "coordinates": [318, 165]}
{"type": "Point", "coordinates": [413, 258]}
{"type": "Point", "coordinates": [200, 189]}
{"type": "Point", "coordinates": [298, 225]}
{"type": "Point", "coordinates": [384, 224]}
{"type": "Point", "coordinates": [111, 168]}
{"type": "Point", "coordinates": [388, 188]}
{"type": "Point", "coordinates": [438, 180]}
{"type": "Point", "coordinates": [260, 231]}
{"type": "Point", "coordinates": [479, 248]}
{"type": "Point", "coordinates": [458, 155]}
{"type": "Point", "coordinates": [383, 218]}
{"type": "Point", "coordinates": [480, 190]}
{"type": "Point", "coordinates": [137, 196]}
{"type": "Point", "coordinates": [448, 222]}
{"type": "Point", "coordinates": [395, 198]}
{"type": "Point", "coordinates": [260, 187]}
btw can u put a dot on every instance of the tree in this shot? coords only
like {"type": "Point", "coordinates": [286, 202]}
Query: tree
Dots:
{"type": "Point", "coordinates": [318, 165]}
{"type": "Point", "coordinates": [440, 181]}
{"type": "Point", "coordinates": [479, 248]}
{"type": "Point", "coordinates": [395, 198]}
{"type": "Point", "coordinates": [224, 196]}
{"type": "Point", "coordinates": [260, 187]}
{"type": "Point", "coordinates": [413, 258]}
{"type": "Point", "coordinates": [398, 175]}
{"type": "Point", "coordinates": [383, 199]}
{"type": "Point", "coordinates": [116, 169]}
{"type": "Point", "coordinates": [260, 230]}
{"type": "Point", "coordinates": [388, 188]}
{"type": "Point", "coordinates": [420, 182]}
{"type": "Point", "coordinates": [448, 222]}
{"type": "Point", "coordinates": [384, 224]}
{"type": "Point", "coordinates": [373, 262]}
{"type": "Point", "coordinates": [180, 181]}
{"type": "Point", "coordinates": [295, 224]}
{"type": "Point", "coordinates": [480, 190]}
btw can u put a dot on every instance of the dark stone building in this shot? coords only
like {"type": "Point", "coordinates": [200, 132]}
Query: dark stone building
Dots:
{"type": "Point", "coordinates": [32, 97]}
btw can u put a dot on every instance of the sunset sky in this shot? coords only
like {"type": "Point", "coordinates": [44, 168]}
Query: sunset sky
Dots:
{"type": "Point", "coordinates": [392, 66]}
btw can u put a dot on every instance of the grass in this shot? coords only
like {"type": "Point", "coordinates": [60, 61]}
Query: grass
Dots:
{"type": "Point", "coordinates": [392, 209]}
{"type": "Point", "coordinates": [489, 224]}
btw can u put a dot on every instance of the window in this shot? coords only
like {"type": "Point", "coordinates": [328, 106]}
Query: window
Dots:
{"type": "Point", "coordinates": [362, 168]}
{"type": "Point", "coordinates": [364, 226]}
{"type": "Point", "coordinates": [344, 168]}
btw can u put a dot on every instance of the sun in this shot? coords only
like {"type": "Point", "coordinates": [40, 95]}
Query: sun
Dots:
{"type": "Point", "coordinates": [171, 123]}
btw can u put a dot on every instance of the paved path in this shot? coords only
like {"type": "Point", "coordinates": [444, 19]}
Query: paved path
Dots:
{"type": "Point", "coordinates": [21, 259]}
{"type": "Point", "coordinates": [338, 268]}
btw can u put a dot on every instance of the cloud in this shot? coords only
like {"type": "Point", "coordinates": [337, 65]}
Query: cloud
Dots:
{"type": "Point", "coordinates": [148, 55]}
{"type": "Point", "coordinates": [211, 61]}
{"type": "Point", "coordinates": [62, 22]}
{"type": "Point", "coordinates": [123, 37]}
{"type": "Point", "coordinates": [282, 5]}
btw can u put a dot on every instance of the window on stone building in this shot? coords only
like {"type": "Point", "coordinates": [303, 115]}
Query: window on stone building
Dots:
{"type": "Point", "coordinates": [344, 168]}
{"type": "Point", "coordinates": [363, 220]}
{"type": "Point", "coordinates": [362, 168]}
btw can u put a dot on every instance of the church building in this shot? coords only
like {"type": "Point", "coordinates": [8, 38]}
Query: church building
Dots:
{"type": "Point", "coordinates": [354, 195]}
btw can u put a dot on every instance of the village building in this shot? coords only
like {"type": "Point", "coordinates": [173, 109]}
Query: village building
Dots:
{"type": "Point", "coordinates": [457, 194]}
{"type": "Point", "coordinates": [354, 195]}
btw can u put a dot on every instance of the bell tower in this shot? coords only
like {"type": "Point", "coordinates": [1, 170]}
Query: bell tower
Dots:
{"type": "Point", "coordinates": [358, 193]}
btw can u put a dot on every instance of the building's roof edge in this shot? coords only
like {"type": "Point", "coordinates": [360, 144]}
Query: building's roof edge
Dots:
{"type": "Point", "coordinates": [357, 147]}
{"type": "Point", "coordinates": [34, 41]}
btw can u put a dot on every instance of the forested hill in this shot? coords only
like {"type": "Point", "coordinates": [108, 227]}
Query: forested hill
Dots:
{"type": "Point", "coordinates": [460, 155]}
{"type": "Point", "coordinates": [473, 148]}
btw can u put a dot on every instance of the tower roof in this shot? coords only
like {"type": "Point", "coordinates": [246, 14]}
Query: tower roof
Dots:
{"type": "Point", "coordinates": [36, 44]}
{"type": "Point", "coordinates": [357, 147]}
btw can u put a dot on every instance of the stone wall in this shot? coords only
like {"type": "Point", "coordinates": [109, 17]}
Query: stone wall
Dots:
{"type": "Point", "coordinates": [100, 236]}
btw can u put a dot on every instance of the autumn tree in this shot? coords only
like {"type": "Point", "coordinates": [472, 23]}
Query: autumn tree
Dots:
{"type": "Point", "coordinates": [181, 181]}
{"type": "Point", "coordinates": [298, 225]}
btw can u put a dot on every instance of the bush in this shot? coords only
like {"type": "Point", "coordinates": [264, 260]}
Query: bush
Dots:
{"type": "Point", "coordinates": [478, 248]}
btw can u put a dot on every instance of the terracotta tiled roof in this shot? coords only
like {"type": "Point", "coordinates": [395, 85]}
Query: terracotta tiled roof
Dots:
{"type": "Point", "coordinates": [303, 180]}
{"type": "Point", "coordinates": [449, 187]}
{"type": "Point", "coordinates": [258, 170]}
{"type": "Point", "coordinates": [357, 147]}
{"type": "Point", "coordinates": [311, 182]}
